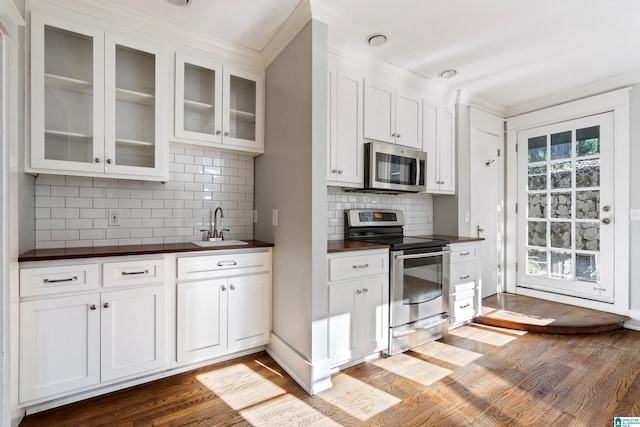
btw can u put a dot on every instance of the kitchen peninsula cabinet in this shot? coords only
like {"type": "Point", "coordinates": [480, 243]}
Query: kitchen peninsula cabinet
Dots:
{"type": "Point", "coordinates": [78, 329]}
{"type": "Point", "coordinates": [358, 304]}
{"type": "Point", "coordinates": [392, 114]}
{"type": "Point", "coordinates": [98, 102]}
{"type": "Point", "coordinates": [218, 106]}
{"type": "Point", "coordinates": [440, 147]}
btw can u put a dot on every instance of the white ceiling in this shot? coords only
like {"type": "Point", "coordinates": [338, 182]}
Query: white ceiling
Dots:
{"type": "Point", "coordinates": [510, 52]}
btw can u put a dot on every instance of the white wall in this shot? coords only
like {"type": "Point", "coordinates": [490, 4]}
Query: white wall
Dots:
{"type": "Point", "coordinates": [72, 211]}
{"type": "Point", "coordinates": [291, 177]}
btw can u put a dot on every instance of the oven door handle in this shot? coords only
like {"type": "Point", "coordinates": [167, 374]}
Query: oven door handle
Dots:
{"type": "Point", "coordinates": [423, 255]}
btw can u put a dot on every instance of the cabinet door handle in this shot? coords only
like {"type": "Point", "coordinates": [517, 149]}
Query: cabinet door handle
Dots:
{"type": "Point", "coordinates": [465, 277]}
{"type": "Point", "coordinates": [226, 263]}
{"type": "Point", "coordinates": [70, 279]}
{"type": "Point", "coordinates": [233, 288]}
{"type": "Point", "coordinates": [106, 305]}
{"type": "Point", "coordinates": [131, 273]}
{"type": "Point", "coordinates": [93, 307]}
{"type": "Point", "coordinates": [465, 306]}
{"type": "Point", "coordinates": [358, 266]}
{"type": "Point", "coordinates": [223, 288]}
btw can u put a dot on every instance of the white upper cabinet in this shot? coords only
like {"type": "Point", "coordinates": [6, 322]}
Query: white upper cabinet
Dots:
{"type": "Point", "coordinates": [346, 144]}
{"type": "Point", "coordinates": [215, 104]}
{"type": "Point", "coordinates": [97, 102]}
{"type": "Point", "coordinates": [439, 145]}
{"type": "Point", "coordinates": [392, 115]}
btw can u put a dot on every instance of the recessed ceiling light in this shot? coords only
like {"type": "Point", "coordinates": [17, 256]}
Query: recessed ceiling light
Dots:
{"type": "Point", "coordinates": [376, 39]}
{"type": "Point", "coordinates": [447, 74]}
{"type": "Point", "coordinates": [180, 2]}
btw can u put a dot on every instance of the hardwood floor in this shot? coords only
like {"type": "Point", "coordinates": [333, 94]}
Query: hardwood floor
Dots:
{"type": "Point", "coordinates": [536, 315]}
{"type": "Point", "coordinates": [477, 376]}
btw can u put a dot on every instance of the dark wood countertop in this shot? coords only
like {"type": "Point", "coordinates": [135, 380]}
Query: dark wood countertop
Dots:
{"type": "Point", "coordinates": [334, 246]}
{"type": "Point", "coordinates": [453, 239]}
{"type": "Point", "coordinates": [108, 251]}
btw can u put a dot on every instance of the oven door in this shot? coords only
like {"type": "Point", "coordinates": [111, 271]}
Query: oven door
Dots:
{"type": "Point", "coordinates": [419, 285]}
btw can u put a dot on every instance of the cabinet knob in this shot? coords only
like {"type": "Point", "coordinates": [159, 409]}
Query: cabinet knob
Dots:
{"type": "Point", "coordinates": [606, 221]}
{"type": "Point", "coordinates": [109, 161]}
{"type": "Point", "coordinates": [339, 171]}
{"type": "Point", "coordinates": [334, 170]}
{"type": "Point", "coordinates": [226, 134]}
{"type": "Point", "coordinates": [365, 290]}
{"type": "Point", "coordinates": [223, 287]}
{"type": "Point", "coordinates": [233, 288]}
{"type": "Point", "coordinates": [93, 307]}
{"type": "Point", "coordinates": [399, 136]}
{"type": "Point", "coordinates": [97, 160]}
{"type": "Point", "coordinates": [393, 135]}
{"type": "Point", "coordinates": [358, 292]}
{"type": "Point", "coordinates": [218, 132]}
{"type": "Point", "coordinates": [106, 305]}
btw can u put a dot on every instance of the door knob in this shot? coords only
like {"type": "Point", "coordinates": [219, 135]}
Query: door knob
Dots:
{"type": "Point", "coordinates": [479, 230]}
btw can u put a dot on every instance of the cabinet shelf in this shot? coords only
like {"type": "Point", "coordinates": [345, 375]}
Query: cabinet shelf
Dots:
{"type": "Point", "coordinates": [135, 97]}
{"type": "Point", "coordinates": [134, 142]}
{"type": "Point", "coordinates": [55, 81]}
{"type": "Point", "coordinates": [243, 116]}
{"type": "Point", "coordinates": [197, 106]}
{"type": "Point", "coordinates": [70, 136]}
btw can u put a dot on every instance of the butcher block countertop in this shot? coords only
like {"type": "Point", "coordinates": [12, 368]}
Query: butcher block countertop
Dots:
{"type": "Point", "coordinates": [109, 251]}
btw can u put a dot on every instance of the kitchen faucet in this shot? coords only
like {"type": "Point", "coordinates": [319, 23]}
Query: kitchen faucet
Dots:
{"type": "Point", "coordinates": [213, 221]}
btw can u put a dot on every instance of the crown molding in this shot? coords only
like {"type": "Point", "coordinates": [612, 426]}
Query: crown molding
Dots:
{"type": "Point", "coordinates": [10, 19]}
{"type": "Point", "coordinates": [467, 98]}
{"type": "Point", "coordinates": [162, 30]}
{"type": "Point", "coordinates": [300, 16]}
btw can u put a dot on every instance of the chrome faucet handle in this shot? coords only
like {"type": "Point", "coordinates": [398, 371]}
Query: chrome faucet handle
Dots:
{"type": "Point", "coordinates": [206, 235]}
{"type": "Point", "coordinates": [222, 231]}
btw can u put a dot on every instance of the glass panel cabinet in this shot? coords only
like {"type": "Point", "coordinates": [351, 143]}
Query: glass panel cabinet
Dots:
{"type": "Point", "coordinates": [95, 103]}
{"type": "Point", "coordinates": [218, 105]}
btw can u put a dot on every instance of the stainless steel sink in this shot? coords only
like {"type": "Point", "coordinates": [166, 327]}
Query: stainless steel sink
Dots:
{"type": "Point", "coordinates": [216, 243]}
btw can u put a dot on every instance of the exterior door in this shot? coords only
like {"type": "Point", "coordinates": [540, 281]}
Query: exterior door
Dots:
{"type": "Point", "coordinates": [487, 215]}
{"type": "Point", "coordinates": [566, 208]}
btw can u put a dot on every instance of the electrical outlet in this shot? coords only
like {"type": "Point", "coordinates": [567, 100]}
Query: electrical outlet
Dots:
{"type": "Point", "coordinates": [114, 217]}
{"type": "Point", "coordinates": [274, 217]}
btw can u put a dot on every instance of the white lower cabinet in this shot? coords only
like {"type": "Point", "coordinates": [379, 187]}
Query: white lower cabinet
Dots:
{"type": "Point", "coordinates": [218, 316]}
{"type": "Point", "coordinates": [358, 306]}
{"type": "Point", "coordinates": [70, 342]}
{"type": "Point", "coordinates": [465, 294]}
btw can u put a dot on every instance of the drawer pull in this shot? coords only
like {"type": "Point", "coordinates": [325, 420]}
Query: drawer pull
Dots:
{"type": "Point", "coordinates": [70, 279]}
{"type": "Point", "coordinates": [465, 277]}
{"type": "Point", "coordinates": [226, 263]}
{"type": "Point", "coordinates": [358, 266]}
{"type": "Point", "coordinates": [131, 273]}
{"type": "Point", "coordinates": [465, 253]}
{"type": "Point", "coordinates": [465, 306]}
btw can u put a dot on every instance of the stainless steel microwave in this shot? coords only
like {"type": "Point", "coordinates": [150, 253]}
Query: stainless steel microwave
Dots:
{"type": "Point", "coordinates": [394, 168]}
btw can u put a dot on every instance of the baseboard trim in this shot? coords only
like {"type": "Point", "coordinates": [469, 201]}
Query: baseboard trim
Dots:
{"type": "Point", "coordinates": [634, 322]}
{"type": "Point", "coordinates": [312, 377]}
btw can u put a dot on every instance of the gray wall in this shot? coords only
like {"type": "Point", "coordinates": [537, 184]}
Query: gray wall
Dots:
{"type": "Point", "coordinates": [634, 201]}
{"type": "Point", "coordinates": [290, 177]}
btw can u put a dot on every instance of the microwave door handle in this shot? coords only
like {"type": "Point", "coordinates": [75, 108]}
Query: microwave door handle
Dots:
{"type": "Point", "coordinates": [417, 171]}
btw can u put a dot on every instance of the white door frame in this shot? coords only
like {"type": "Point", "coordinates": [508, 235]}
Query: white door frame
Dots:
{"type": "Point", "coordinates": [617, 102]}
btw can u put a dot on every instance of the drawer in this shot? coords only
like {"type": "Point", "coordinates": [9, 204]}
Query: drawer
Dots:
{"type": "Point", "coordinates": [343, 267]}
{"type": "Point", "coordinates": [463, 276]}
{"type": "Point", "coordinates": [129, 273]}
{"type": "Point", "coordinates": [463, 253]}
{"type": "Point", "coordinates": [469, 293]}
{"type": "Point", "coordinates": [463, 310]}
{"type": "Point", "coordinates": [53, 280]}
{"type": "Point", "coordinates": [222, 265]}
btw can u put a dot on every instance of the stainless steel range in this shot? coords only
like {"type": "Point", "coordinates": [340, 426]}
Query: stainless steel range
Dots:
{"type": "Point", "coordinates": [419, 277]}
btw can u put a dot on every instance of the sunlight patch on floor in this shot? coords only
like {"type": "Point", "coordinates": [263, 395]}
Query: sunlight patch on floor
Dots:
{"type": "Point", "coordinates": [239, 386]}
{"type": "Point", "coordinates": [447, 353]}
{"type": "Point", "coordinates": [286, 410]}
{"type": "Point", "coordinates": [358, 399]}
{"type": "Point", "coordinates": [482, 335]}
{"type": "Point", "coordinates": [513, 316]}
{"type": "Point", "coordinates": [413, 368]}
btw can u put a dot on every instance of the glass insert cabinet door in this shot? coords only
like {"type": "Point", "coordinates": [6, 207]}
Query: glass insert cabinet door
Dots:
{"type": "Point", "coordinates": [566, 208]}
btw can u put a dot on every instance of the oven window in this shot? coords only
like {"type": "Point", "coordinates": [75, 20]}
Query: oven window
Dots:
{"type": "Point", "coordinates": [395, 169]}
{"type": "Point", "coordinates": [422, 279]}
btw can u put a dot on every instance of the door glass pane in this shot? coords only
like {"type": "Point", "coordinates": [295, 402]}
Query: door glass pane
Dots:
{"type": "Point", "coordinates": [560, 235]}
{"type": "Point", "coordinates": [588, 236]}
{"type": "Point", "coordinates": [560, 205]}
{"type": "Point", "coordinates": [536, 262]}
{"type": "Point", "coordinates": [242, 108]}
{"type": "Point", "coordinates": [537, 205]}
{"type": "Point", "coordinates": [588, 204]}
{"type": "Point", "coordinates": [537, 177]}
{"type": "Point", "coordinates": [199, 95]}
{"type": "Point", "coordinates": [588, 173]}
{"type": "Point", "coordinates": [537, 149]}
{"type": "Point", "coordinates": [561, 145]}
{"type": "Point", "coordinates": [588, 141]}
{"type": "Point", "coordinates": [561, 175]}
{"type": "Point", "coordinates": [135, 107]}
{"type": "Point", "coordinates": [68, 96]}
{"type": "Point", "coordinates": [588, 267]}
{"type": "Point", "coordinates": [537, 233]}
{"type": "Point", "coordinates": [561, 266]}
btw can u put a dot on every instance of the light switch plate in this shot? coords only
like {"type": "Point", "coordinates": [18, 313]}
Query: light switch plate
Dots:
{"type": "Point", "coordinates": [634, 214]}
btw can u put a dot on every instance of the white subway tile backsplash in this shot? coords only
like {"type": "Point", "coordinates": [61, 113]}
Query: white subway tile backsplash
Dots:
{"type": "Point", "coordinates": [72, 211]}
